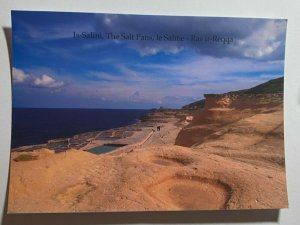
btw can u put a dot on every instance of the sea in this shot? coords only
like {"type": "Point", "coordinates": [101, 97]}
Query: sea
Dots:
{"type": "Point", "coordinates": [32, 126]}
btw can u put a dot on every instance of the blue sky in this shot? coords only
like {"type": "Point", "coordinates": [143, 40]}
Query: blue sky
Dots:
{"type": "Point", "coordinates": [53, 69]}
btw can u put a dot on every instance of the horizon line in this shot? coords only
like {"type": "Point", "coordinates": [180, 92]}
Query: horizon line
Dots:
{"type": "Point", "coordinates": [92, 108]}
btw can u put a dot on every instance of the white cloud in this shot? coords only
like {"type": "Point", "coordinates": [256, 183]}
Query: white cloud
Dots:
{"type": "Point", "coordinates": [153, 50]}
{"type": "Point", "coordinates": [47, 81]}
{"type": "Point", "coordinates": [44, 81]}
{"type": "Point", "coordinates": [19, 76]}
{"type": "Point", "coordinates": [266, 41]}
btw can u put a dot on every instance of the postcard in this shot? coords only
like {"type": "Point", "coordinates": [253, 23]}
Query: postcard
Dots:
{"type": "Point", "coordinates": [122, 113]}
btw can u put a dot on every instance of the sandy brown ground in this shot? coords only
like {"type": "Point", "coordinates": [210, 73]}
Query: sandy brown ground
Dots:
{"type": "Point", "coordinates": [233, 159]}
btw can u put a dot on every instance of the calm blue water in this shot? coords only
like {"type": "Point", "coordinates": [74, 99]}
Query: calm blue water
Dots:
{"type": "Point", "coordinates": [103, 149]}
{"type": "Point", "coordinates": [37, 126]}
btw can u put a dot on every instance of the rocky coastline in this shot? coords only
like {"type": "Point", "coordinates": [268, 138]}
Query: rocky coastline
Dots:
{"type": "Point", "coordinates": [229, 154]}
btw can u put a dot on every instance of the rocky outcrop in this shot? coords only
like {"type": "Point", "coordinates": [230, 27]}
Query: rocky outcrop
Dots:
{"type": "Point", "coordinates": [266, 94]}
{"type": "Point", "coordinates": [221, 110]}
{"type": "Point", "coordinates": [242, 101]}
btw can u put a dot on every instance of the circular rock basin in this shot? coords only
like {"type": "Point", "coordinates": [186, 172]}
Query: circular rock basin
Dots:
{"type": "Point", "coordinates": [191, 193]}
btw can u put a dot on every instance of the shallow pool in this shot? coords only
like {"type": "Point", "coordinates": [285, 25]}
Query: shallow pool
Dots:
{"type": "Point", "coordinates": [104, 149]}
